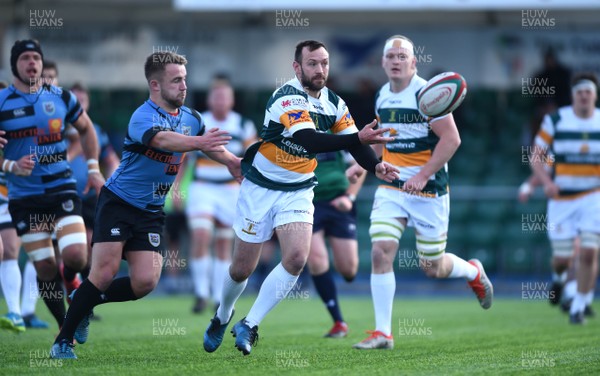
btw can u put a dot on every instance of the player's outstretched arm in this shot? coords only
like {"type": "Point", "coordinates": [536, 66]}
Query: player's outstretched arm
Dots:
{"type": "Point", "coordinates": [230, 160]}
{"type": "Point", "coordinates": [315, 142]}
{"type": "Point", "coordinates": [212, 141]}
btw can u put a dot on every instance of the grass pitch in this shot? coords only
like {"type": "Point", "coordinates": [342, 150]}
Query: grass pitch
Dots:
{"type": "Point", "coordinates": [432, 337]}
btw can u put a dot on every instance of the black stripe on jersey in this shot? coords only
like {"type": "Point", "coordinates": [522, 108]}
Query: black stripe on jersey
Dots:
{"type": "Point", "coordinates": [59, 175]}
{"type": "Point", "coordinates": [14, 95]}
{"type": "Point", "coordinates": [61, 189]}
{"type": "Point", "coordinates": [154, 154]}
{"type": "Point", "coordinates": [576, 136]}
{"type": "Point", "coordinates": [22, 133]}
{"type": "Point", "coordinates": [17, 113]}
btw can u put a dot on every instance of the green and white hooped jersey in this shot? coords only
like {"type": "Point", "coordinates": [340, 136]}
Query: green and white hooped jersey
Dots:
{"type": "Point", "coordinates": [414, 141]}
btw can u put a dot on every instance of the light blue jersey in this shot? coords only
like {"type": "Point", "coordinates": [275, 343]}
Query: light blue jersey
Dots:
{"type": "Point", "coordinates": [146, 174]}
{"type": "Point", "coordinates": [35, 124]}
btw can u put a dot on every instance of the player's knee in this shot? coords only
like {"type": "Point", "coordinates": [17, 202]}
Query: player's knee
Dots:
{"type": "Point", "coordinates": [294, 261]}
{"type": "Point", "coordinates": [143, 285]}
{"type": "Point", "coordinates": [46, 269]}
{"type": "Point", "coordinates": [348, 269]}
{"type": "Point", "coordinates": [379, 256]}
{"type": "Point", "coordinates": [75, 256]}
{"type": "Point", "coordinates": [239, 273]}
{"type": "Point", "coordinates": [431, 269]}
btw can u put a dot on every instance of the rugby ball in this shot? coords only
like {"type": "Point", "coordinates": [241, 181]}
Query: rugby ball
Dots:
{"type": "Point", "coordinates": [442, 94]}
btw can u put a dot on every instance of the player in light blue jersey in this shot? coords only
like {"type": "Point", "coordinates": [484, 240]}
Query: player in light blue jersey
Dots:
{"type": "Point", "coordinates": [129, 216]}
{"type": "Point", "coordinates": [41, 190]}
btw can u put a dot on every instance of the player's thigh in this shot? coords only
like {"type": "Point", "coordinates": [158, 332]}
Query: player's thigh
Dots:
{"type": "Point", "coordinates": [144, 270]}
{"type": "Point", "coordinates": [345, 255]}
{"type": "Point", "coordinates": [10, 242]}
{"type": "Point", "coordinates": [106, 259]}
{"type": "Point", "coordinates": [244, 259]}
{"type": "Point", "coordinates": [318, 258]}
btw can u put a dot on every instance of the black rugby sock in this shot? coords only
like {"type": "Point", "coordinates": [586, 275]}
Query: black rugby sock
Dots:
{"type": "Point", "coordinates": [326, 288]}
{"type": "Point", "coordinates": [53, 295]}
{"type": "Point", "coordinates": [120, 290]}
{"type": "Point", "coordinates": [86, 298]}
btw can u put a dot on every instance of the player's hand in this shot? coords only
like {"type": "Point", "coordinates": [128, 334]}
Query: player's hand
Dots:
{"type": "Point", "coordinates": [415, 184]}
{"type": "Point", "coordinates": [525, 191]}
{"type": "Point", "coordinates": [342, 203]}
{"type": "Point", "coordinates": [213, 140]}
{"type": "Point", "coordinates": [386, 172]}
{"type": "Point", "coordinates": [551, 190]}
{"type": "Point", "coordinates": [3, 140]}
{"type": "Point", "coordinates": [235, 169]}
{"type": "Point", "coordinates": [368, 135]}
{"type": "Point", "coordinates": [354, 172]}
{"type": "Point", "coordinates": [24, 165]}
{"type": "Point", "coordinates": [95, 181]}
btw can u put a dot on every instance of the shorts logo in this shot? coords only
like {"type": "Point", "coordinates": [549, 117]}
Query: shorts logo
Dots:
{"type": "Point", "coordinates": [249, 228]}
{"type": "Point", "coordinates": [49, 108]}
{"type": "Point", "coordinates": [154, 239]}
{"type": "Point", "coordinates": [68, 205]}
{"type": "Point", "coordinates": [21, 225]}
{"type": "Point", "coordinates": [186, 131]}
{"type": "Point", "coordinates": [115, 231]}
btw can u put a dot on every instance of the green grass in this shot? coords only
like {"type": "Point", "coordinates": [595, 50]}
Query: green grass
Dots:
{"type": "Point", "coordinates": [450, 337]}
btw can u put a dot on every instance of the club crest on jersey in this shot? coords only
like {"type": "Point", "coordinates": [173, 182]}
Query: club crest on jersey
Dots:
{"type": "Point", "coordinates": [186, 131]}
{"type": "Point", "coordinates": [68, 205]}
{"type": "Point", "coordinates": [55, 125]}
{"type": "Point", "coordinates": [154, 239]}
{"type": "Point", "coordinates": [49, 108]}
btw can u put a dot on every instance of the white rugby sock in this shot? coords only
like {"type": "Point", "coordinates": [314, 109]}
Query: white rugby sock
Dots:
{"type": "Point", "coordinates": [578, 304]}
{"type": "Point", "coordinates": [30, 290]}
{"type": "Point", "coordinates": [231, 292]}
{"type": "Point", "coordinates": [220, 268]}
{"type": "Point", "coordinates": [10, 277]}
{"type": "Point", "coordinates": [589, 297]}
{"type": "Point", "coordinates": [570, 289]}
{"type": "Point", "coordinates": [383, 288]}
{"type": "Point", "coordinates": [462, 269]}
{"type": "Point", "coordinates": [562, 277]}
{"type": "Point", "coordinates": [200, 268]}
{"type": "Point", "coordinates": [273, 290]}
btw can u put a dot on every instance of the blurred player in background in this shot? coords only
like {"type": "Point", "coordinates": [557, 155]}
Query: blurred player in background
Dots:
{"type": "Point", "coordinates": [420, 150]}
{"type": "Point", "coordinates": [129, 218]}
{"type": "Point", "coordinates": [214, 192]}
{"type": "Point", "coordinates": [108, 160]}
{"type": "Point", "coordinates": [573, 189]}
{"type": "Point", "coordinates": [41, 190]}
{"type": "Point", "coordinates": [277, 191]}
{"type": "Point", "coordinates": [334, 220]}
{"type": "Point", "coordinates": [10, 274]}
